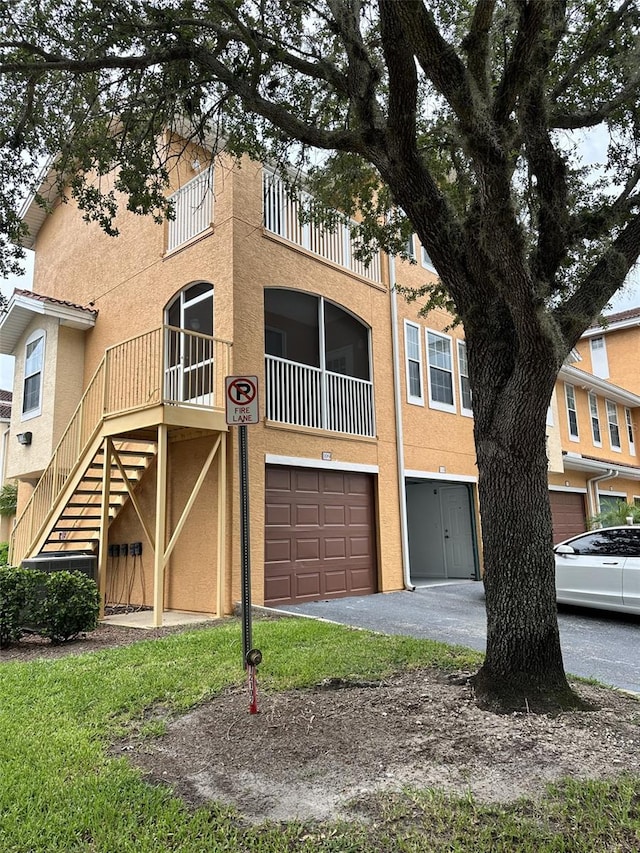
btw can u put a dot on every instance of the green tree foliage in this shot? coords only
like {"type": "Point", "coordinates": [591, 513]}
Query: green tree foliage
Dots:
{"type": "Point", "coordinates": [467, 122]}
{"type": "Point", "coordinates": [8, 499]}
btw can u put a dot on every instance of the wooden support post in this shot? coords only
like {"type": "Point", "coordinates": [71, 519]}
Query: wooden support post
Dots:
{"type": "Point", "coordinates": [222, 534]}
{"type": "Point", "coordinates": [104, 523]}
{"type": "Point", "coordinates": [161, 526]}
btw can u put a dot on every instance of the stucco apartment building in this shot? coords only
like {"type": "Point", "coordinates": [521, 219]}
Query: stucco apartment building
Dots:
{"type": "Point", "coordinates": [362, 473]}
{"type": "Point", "coordinates": [5, 432]}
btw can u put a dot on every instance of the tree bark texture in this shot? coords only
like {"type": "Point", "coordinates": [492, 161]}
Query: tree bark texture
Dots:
{"type": "Point", "coordinates": [523, 668]}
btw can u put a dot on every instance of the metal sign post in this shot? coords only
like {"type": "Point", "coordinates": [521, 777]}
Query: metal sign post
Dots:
{"type": "Point", "coordinates": [242, 409]}
{"type": "Point", "coordinates": [245, 556]}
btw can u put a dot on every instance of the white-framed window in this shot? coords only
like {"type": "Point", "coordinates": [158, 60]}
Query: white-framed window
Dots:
{"type": "Point", "coordinates": [33, 367]}
{"type": "Point", "coordinates": [572, 412]}
{"type": "Point", "coordinates": [465, 385]}
{"type": "Point", "coordinates": [599, 360]}
{"type": "Point", "coordinates": [440, 375]}
{"type": "Point", "coordinates": [427, 263]}
{"type": "Point", "coordinates": [629, 422]}
{"type": "Point", "coordinates": [614, 429]}
{"type": "Point", "coordinates": [595, 419]}
{"type": "Point", "coordinates": [411, 247]}
{"type": "Point", "coordinates": [413, 353]}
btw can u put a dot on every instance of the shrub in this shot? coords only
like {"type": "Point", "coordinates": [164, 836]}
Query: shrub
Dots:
{"type": "Point", "coordinates": [4, 553]}
{"type": "Point", "coordinates": [71, 605]}
{"type": "Point", "coordinates": [616, 515]}
{"type": "Point", "coordinates": [18, 590]}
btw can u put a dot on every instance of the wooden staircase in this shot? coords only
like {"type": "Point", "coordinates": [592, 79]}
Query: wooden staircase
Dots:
{"type": "Point", "coordinates": [76, 528]}
{"type": "Point", "coordinates": [135, 389]}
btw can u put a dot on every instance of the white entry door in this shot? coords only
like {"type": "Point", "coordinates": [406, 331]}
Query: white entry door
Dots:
{"type": "Point", "coordinates": [457, 531]}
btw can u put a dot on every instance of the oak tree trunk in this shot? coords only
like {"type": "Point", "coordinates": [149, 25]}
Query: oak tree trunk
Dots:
{"type": "Point", "coordinates": [523, 668]}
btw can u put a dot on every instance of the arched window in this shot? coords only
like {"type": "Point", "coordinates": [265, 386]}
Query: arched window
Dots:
{"type": "Point", "coordinates": [33, 367]}
{"type": "Point", "coordinates": [311, 330]}
{"type": "Point", "coordinates": [318, 363]}
{"type": "Point", "coordinates": [189, 373]}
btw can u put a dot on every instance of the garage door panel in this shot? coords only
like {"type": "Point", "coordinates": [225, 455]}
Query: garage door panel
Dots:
{"type": "Point", "coordinates": [307, 549]}
{"type": "Point", "coordinates": [307, 515]}
{"type": "Point", "coordinates": [335, 548]}
{"type": "Point", "coordinates": [278, 588]}
{"type": "Point", "coordinates": [307, 481]}
{"type": "Point", "coordinates": [334, 483]}
{"type": "Point", "coordinates": [328, 548]}
{"type": "Point", "coordinates": [360, 581]}
{"type": "Point", "coordinates": [335, 582]}
{"type": "Point", "coordinates": [278, 551]}
{"type": "Point", "coordinates": [278, 515]}
{"type": "Point", "coordinates": [359, 546]}
{"type": "Point", "coordinates": [358, 516]}
{"type": "Point", "coordinates": [356, 484]}
{"type": "Point", "coordinates": [308, 585]}
{"type": "Point", "coordinates": [278, 478]}
{"type": "Point", "coordinates": [335, 515]}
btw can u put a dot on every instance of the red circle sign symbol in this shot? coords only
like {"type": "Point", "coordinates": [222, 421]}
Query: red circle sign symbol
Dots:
{"type": "Point", "coordinates": [242, 391]}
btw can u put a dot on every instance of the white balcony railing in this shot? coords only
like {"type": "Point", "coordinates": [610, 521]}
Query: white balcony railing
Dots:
{"type": "Point", "coordinates": [282, 217]}
{"type": "Point", "coordinates": [308, 396]}
{"type": "Point", "coordinates": [193, 208]}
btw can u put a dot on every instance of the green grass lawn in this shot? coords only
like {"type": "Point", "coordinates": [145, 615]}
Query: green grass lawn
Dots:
{"type": "Point", "coordinates": [60, 791]}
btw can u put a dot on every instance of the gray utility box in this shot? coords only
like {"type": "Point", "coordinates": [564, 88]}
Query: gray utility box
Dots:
{"type": "Point", "coordinates": [61, 561]}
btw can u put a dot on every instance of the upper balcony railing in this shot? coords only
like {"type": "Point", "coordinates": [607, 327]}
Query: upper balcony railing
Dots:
{"type": "Point", "coordinates": [193, 208]}
{"type": "Point", "coordinates": [302, 395]}
{"type": "Point", "coordinates": [167, 366]}
{"type": "Point", "coordinates": [282, 217]}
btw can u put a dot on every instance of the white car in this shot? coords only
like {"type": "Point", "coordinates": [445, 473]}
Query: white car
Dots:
{"type": "Point", "coordinates": [601, 569]}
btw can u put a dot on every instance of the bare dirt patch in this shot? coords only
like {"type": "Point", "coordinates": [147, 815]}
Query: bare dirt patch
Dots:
{"type": "Point", "coordinates": [308, 754]}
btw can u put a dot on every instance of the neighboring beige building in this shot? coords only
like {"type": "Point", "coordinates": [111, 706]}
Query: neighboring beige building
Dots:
{"type": "Point", "coordinates": [6, 522]}
{"type": "Point", "coordinates": [362, 466]}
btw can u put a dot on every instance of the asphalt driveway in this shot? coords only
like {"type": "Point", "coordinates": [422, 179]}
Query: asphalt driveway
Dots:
{"type": "Point", "coordinates": [595, 644]}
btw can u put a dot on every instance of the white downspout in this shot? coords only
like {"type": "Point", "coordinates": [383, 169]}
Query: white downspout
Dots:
{"type": "Point", "coordinates": [397, 399]}
{"type": "Point", "coordinates": [592, 494]}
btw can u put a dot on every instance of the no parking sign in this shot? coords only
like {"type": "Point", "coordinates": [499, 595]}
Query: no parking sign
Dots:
{"type": "Point", "coordinates": [241, 394]}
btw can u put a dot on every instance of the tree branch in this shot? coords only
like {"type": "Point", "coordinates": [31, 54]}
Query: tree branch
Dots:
{"type": "Point", "coordinates": [594, 117]}
{"type": "Point", "coordinates": [437, 57]}
{"type": "Point", "coordinates": [614, 20]}
{"type": "Point", "coordinates": [403, 79]}
{"type": "Point", "coordinates": [539, 31]}
{"type": "Point", "coordinates": [476, 44]}
{"type": "Point", "coordinates": [597, 288]}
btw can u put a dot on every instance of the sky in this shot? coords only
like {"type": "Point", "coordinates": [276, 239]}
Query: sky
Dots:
{"type": "Point", "coordinates": [628, 297]}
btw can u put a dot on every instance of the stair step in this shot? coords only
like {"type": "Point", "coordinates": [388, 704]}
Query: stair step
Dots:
{"type": "Point", "coordinates": [144, 453]}
{"type": "Point", "coordinates": [74, 541]}
{"type": "Point", "coordinates": [97, 493]}
{"type": "Point", "coordinates": [90, 479]}
{"type": "Point", "coordinates": [76, 504]}
{"type": "Point", "coordinates": [128, 466]}
{"type": "Point", "coordinates": [95, 518]}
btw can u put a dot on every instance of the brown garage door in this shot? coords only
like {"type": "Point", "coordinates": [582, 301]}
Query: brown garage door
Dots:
{"type": "Point", "coordinates": [319, 535]}
{"type": "Point", "coordinates": [567, 510]}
